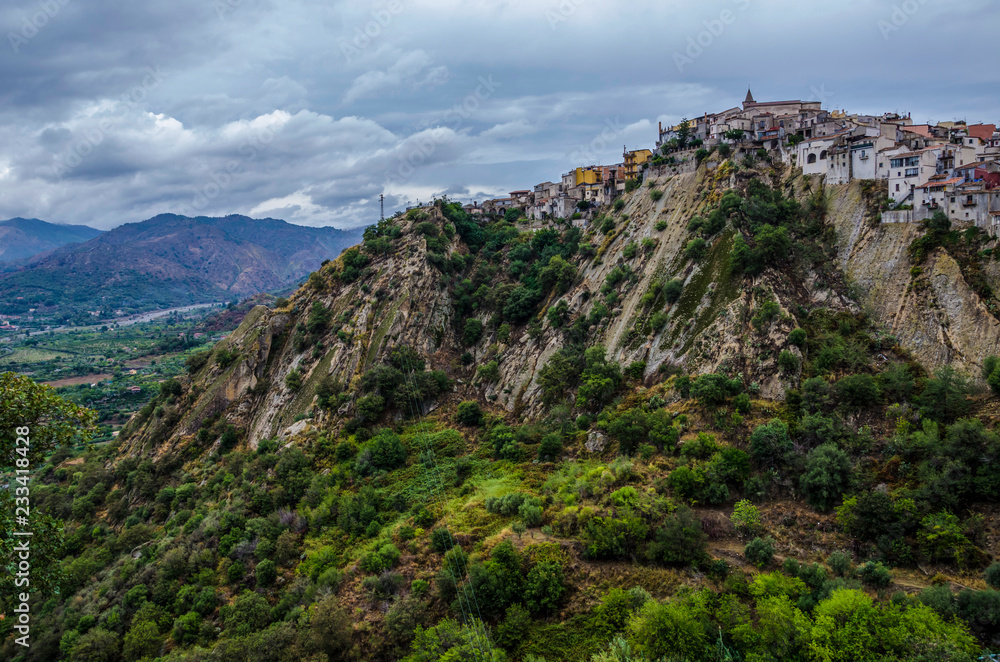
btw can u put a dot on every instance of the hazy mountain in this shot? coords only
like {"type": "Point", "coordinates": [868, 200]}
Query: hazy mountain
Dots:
{"type": "Point", "coordinates": [173, 260]}
{"type": "Point", "coordinates": [22, 238]}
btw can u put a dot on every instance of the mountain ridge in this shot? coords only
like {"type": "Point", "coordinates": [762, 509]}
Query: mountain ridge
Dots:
{"type": "Point", "coordinates": [170, 260]}
{"type": "Point", "coordinates": [23, 238]}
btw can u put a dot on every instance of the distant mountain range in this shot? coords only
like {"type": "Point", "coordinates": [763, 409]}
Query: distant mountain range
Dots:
{"type": "Point", "coordinates": [172, 260]}
{"type": "Point", "coordinates": [22, 238]}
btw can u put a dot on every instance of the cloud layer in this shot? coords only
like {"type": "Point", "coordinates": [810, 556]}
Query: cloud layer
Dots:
{"type": "Point", "coordinates": [112, 112]}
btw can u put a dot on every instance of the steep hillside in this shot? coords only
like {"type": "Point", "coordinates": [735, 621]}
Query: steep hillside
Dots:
{"type": "Point", "coordinates": [172, 260]}
{"type": "Point", "coordinates": [696, 428]}
{"type": "Point", "coordinates": [930, 306]}
{"type": "Point", "coordinates": [21, 238]}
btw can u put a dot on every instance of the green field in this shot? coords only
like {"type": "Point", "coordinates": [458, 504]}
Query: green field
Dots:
{"type": "Point", "coordinates": [140, 355]}
{"type": "Point", "coordinates": [30, 355]}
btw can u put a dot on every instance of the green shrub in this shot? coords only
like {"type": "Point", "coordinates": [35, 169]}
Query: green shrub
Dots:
{"type": "Point", "coordinates": [472, 332]}
{"type": "Point", "coordinates": [828, 475]}
{"type": "Point", "coordinates": [660, 225]}
{"type": "Point", "coordinates": [673, 289]}
{"type": "Point", "coordinates": [875, 574]}
{"type": "Point", "coordinates": [614, 538]}
{"type": "Point", "coordinates": [742, 404]}
{"type": "Point", "coordinates": [858, 391]}
{"type": "Point", "coordinates": [469, 413]}
{"type": "Point", "coordinates": [840, 563]}
{"type": "Point", "coordinates": [488, 372]}
{"type": "Point", "coordinates": [265, 573]}
{"type": "Point", "coordinates": [696, 249]}
{"type": "Point", "coordinates": [293, 380]}
{"type": "Point", "coordinates": [370, 407]}
{"type": "Point", "coordinates": [746, 518]}
{"type": "Point", "coordinates": [551, 447]}
{"type": "Point", "coordinates": [797, 337]}
{"type": "Point", "coordinates": [760, 551]}
{"type": "Point", "coordinates": [788, 362]}
{"type": "Point", "coordinates": [655, 195]}
{"type": "Point", "coordinates": [680, 541]}
{"type": "Point", "coordinates": [441, 540]}
{"type": "Point", "coordinates": [991, 373]}
{"type": "Point", "coordinates": [713, 389]}
{"type": "Point", "coordinates": [992, 575]}
{"type": "Point", "coordinates": [630, 250]}
{"type": "Point", "coordinates": [544, 587]}
{"type": "Point", "coordinates": [770, 443]}
{"type": "Point", "coordinates": [686, 483]}
{"type": "Point", "coordinates": [387, 450]}
{"type": "Point", "coordinates": [249, 613]}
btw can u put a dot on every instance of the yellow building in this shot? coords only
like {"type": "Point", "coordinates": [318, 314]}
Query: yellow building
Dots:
{"type": "Point", "coordinates": [587, 176]}
{"type": "Point", "coordinates": [634, 159]}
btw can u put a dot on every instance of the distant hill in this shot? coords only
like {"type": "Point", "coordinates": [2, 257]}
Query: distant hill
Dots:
{"type": "Point", "coordinates": [172, 260]}
{"type": "Point", "coordinates": [21, 238]}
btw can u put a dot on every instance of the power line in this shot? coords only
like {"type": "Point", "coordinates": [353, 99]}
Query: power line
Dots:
{"type": "Point", "coordinates": [467, 587]}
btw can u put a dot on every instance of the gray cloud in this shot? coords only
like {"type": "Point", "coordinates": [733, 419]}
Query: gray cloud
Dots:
{"type": "Point", "coordinates": [111, 112]}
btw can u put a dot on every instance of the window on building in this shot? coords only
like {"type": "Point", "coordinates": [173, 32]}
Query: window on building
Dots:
{"type": "Point", "coordinates": [897, 187]}
{"type": "Point", "coordinates": [822, 155]}
{"type": "Point", "coordinates": [912, 172]}
{"type": "Point", "coordinates": [811, 158]}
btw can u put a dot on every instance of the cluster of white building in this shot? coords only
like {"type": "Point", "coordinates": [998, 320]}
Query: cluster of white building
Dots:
{"type": "Point", "coordinates": [950, 166]}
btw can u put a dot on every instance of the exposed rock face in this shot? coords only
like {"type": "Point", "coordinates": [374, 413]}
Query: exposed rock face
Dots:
{"type": "Point", "coordinates": [934, 313]}
{"type": "Point", "coordinates": [406, 300]}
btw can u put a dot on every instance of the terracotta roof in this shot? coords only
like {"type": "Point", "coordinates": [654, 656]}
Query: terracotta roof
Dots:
{"type": "Point", "coordinates": [948, 182]}
{"type": "Point", "coordinates": [977, 164]}
{"type": "Point", "coordinates": [982, 131]}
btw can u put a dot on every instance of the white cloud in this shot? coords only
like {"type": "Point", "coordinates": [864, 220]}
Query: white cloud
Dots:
{"type": "Point", "coordinates": [413, 70]}
{"type": "Point", "coordinates": [513, 129]}
{"type": "Point", "coordinates": [258, 111]}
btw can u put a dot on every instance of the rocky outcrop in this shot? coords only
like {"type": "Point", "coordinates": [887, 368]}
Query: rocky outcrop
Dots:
{"type": "Point", "coordinates": [930, 308]}
{"type": "Point", "coordinates": [714, 326]}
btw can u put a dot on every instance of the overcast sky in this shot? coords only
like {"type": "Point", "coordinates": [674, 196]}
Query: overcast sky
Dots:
{"type": "Point", "coordinates": [112, 111]}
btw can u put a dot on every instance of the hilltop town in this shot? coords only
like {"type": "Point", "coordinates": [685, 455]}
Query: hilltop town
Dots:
{"type": "Point", "coordinates": [953, 167]}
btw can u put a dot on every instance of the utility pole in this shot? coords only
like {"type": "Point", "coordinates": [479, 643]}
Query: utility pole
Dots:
{"type": "Point", "coordinates": [381, 199]}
